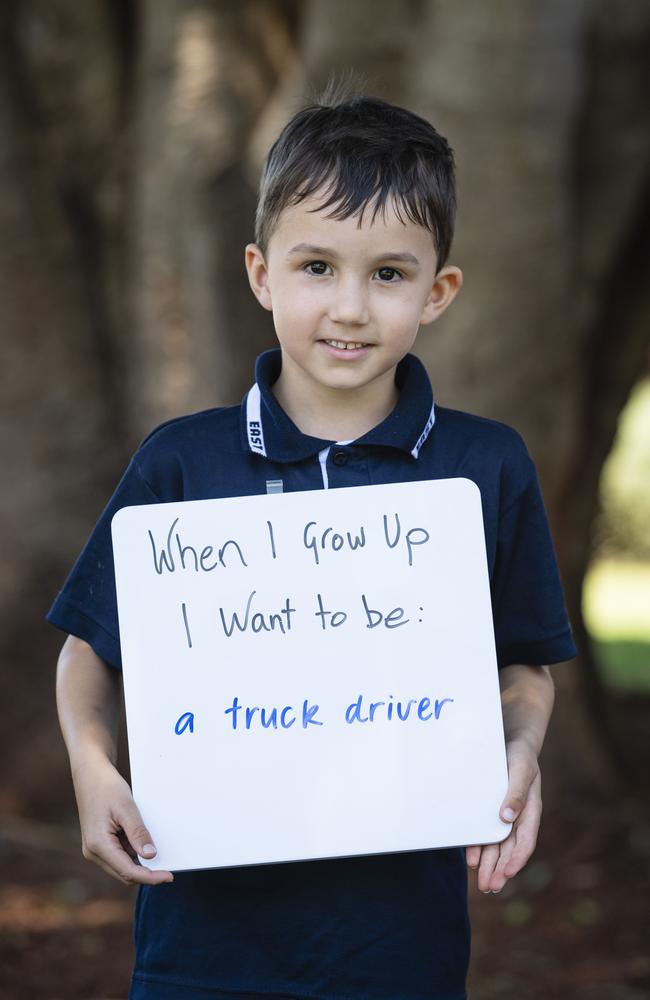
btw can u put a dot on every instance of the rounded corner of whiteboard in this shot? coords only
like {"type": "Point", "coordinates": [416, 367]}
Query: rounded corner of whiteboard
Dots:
{"type": "Point", "coordinates": [154, 864]}
{"type": "Point", "coordinates": [504, 831]}
{"type": "Point", "coordinates": [469, 482]}
{"type": "Point", "coordinates": [118, 517]}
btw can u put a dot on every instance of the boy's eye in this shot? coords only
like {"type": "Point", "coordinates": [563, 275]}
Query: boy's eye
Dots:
{"type": "Point", "coordinates": [316, 267]}
{"type": "Point", "coordinates": [387, 274]}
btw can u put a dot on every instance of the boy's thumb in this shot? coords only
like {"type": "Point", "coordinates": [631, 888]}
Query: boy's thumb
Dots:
{"type": "Point", "coordinates": [513, 803]}
{"type": "Point", "coordinates": [515, 799]}
{"type": "Point", "coordinates": [139, 837]}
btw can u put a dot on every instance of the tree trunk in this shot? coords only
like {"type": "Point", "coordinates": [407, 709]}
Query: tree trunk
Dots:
{"type": "Point", "coordinates": [60, 425]}
{"type": "Point", "coordinates": [204, 75]}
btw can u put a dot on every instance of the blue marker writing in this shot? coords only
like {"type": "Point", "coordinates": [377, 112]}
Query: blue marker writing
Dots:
{"type": "Point", "coordinates": [186, 721]}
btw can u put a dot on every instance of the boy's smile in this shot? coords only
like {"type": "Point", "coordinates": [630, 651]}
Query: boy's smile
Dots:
{"type": "Point", "coordinates": [347, 302]}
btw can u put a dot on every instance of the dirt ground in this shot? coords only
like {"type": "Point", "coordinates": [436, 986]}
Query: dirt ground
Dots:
{"type": "Point", "coordinates": [573, 925]}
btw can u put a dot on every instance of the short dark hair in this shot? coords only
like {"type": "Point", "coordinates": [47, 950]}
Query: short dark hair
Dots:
{"type": "Point", "coordinates": [361, 150]}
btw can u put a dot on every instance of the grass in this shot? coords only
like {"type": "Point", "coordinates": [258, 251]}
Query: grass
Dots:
{"type": "Point", "coordinates": [616, 607]}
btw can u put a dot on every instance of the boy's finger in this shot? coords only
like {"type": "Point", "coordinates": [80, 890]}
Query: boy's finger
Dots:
{"type": "Point", "coordinates": [473, 856]}
{"type": "Point", "coordinates": [489, 858]}
{"type": "Point", "coordinates": [526, 832]}
{"type": "Point", "coordinates": [499, 877]}
{"type": "Point", "coordinates": [117, 863]}
{"type": "Point", "coordinates": [108, 853]}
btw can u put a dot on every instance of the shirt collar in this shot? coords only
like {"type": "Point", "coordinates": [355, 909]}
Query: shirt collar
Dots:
{"type": "Point", "coordinates": [267, 430]}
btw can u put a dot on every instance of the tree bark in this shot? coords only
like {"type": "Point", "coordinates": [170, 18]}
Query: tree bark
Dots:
{"type": "Point", "coordinates": [59, 437]}
{"type": "Point", "coordinates": [204, 75]}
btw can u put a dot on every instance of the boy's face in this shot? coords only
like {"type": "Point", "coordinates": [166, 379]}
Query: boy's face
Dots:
{"type": "Point", "coordinates": [347, 301]}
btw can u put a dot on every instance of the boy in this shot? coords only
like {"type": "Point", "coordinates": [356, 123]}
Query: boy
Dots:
{"type": "Point", "coordinates": [353, 229]}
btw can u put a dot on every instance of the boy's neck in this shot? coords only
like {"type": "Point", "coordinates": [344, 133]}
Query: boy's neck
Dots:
{"type": "Point", "coordinates": [336, 414]}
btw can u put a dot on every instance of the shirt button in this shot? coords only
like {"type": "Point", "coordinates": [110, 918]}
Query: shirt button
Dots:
{"type": "Point", "coordinates": [339, 457]}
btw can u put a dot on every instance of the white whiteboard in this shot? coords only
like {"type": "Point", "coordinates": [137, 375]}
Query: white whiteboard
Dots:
{"type": "Point", "coordinates": [371, 595]}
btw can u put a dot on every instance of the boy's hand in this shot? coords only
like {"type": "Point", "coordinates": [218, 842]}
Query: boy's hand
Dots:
{"type": "Point", "coordinates": [522, 806]}
{"type": "Point", "coordinates": [112, 830]}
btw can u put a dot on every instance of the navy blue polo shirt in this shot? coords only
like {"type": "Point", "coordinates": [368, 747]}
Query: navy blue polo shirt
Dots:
{"type": "Point", "coordinates": [380, 927]}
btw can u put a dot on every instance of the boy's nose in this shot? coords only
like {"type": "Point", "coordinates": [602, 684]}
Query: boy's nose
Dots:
{"type": "Point", "coordinates": [349, 303]}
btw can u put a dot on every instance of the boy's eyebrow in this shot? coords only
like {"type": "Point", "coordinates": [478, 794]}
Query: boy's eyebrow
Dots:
{"type": "Point", "coordinates": [302, 248]}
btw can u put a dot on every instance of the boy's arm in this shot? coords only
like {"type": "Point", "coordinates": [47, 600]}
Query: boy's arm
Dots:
{"type": "Point", "coordinates": [88, 701]}
{"type": "Point", "coordinates": [527, 695]}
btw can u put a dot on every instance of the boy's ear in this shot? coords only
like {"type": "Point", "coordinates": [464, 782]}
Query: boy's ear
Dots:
{"type": "Point", "coordinates": [258, 275]}
{"type": "Point", "coordinates": [446, 286]}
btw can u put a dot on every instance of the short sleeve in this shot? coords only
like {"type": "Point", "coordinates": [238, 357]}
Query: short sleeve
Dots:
{"type": "Point", "coordinates": [531, 624]}
{"type": "Point", "coordinates": [86, 606]}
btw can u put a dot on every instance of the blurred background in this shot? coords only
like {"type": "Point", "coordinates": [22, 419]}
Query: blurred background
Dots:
{"type": "Point", "coordinates": [131, 138]}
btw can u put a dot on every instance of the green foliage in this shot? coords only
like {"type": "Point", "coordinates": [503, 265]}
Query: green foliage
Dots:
{"type": "Point", "coordinates": [517, 912]}
{"type": "Point", "coordinates": [622, 528]}
{"type": "Point", "coordinates": [616, 609]}
{"type": "Point", "coordinates": [625, 663]}
{"type": "Point", "coordinates": [586, 912]}
{"type": "Point", "coordinates": [616, 596]}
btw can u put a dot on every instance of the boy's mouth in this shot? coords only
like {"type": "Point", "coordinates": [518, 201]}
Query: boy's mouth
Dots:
{"type": "Point", "coordinates": [346, 345]}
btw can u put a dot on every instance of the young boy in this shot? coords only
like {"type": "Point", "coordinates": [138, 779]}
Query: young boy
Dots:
{"type": "Point", "coordinates": [354, 225]}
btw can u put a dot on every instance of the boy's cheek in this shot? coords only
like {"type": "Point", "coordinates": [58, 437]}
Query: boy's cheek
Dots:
{"type": "Point", "coordinates": [299, 321]}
